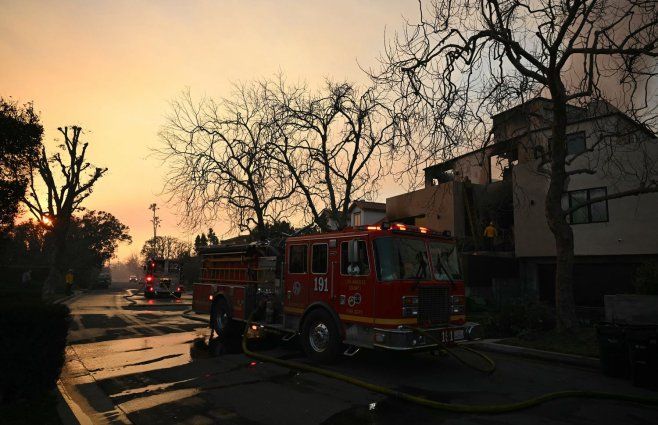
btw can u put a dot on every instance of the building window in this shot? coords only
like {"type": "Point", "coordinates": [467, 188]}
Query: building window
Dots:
{"type": "Point", "coordinates": [501, 165]}
{"type": "Point", "coordinates": [591, 213]}
{"type": "Point", "coordinates": [319, 258]}
{"type": "Point", "coordinates": [576, 143]}
{"type": "Point", "coordinates": [496, 167]}
{"type": "Point", "coordinates": [297, 259]}
{"type": "Point", "coordinates": [356, 219]}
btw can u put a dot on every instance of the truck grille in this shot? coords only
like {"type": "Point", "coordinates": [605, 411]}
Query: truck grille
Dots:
{"type": "Point", "coordinates": [433, 304]}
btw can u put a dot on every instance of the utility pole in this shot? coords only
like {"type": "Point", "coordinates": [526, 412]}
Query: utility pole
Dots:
{"type": "Point", "coordinates": [156, 223]}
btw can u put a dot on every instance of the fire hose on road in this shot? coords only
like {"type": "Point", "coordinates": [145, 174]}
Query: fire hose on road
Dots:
{"type": "Point", "coordinates": [450, 407]}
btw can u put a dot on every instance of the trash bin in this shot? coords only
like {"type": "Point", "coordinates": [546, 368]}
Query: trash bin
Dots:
{"type": "Point", "coordinates": [643, 352]}
{"type": "Point", "coordinates": [613, 351]}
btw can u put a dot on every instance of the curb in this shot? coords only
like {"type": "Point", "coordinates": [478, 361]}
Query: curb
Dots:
{"type": "Point", "coordinates": [67, 297]}
{"type": "Point", "coordinates": [532, 353]}
{"type": "Point", "coordinates": [66, 406]}
{"type": "Point", "coordinates": [89, 406]}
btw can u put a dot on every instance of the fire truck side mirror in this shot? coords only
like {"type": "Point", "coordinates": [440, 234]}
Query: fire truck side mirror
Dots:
{"type": "Point", "coordinates": [353, 251]}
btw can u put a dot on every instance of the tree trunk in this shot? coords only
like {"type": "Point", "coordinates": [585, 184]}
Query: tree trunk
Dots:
{"type": "Point", "coordinates": [564, 245]}
{"type": "Point", "coordinates": [55, 273]}
{"type": "Point", "coordinates": [262, 227]}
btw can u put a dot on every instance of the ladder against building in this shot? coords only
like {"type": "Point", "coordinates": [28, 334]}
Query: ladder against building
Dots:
{"type": "Point", "coordinates": [471, 213]}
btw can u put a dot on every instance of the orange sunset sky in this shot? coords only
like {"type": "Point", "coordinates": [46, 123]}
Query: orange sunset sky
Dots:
{"type": "Point", "coordinates": [112, 67]}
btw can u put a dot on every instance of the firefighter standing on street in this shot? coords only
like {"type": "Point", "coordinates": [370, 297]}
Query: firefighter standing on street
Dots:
{"type": "Point", "coordinates": [69, 282]}
{"type": "Point", "coordinates": [489, 234]}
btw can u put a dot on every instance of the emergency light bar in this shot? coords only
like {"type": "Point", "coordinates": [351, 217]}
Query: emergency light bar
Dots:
{"type": "Point", "coordinates": [400, 227]}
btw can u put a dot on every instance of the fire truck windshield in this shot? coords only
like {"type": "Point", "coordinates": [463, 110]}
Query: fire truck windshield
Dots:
{"type": "Point", "coordinates": [401, 258]}
{"type": "Point", "coordinates": [445, 260]}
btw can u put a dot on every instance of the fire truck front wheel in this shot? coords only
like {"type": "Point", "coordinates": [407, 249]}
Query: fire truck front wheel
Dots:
{"type": "Point", "coordinates": [320, 338]}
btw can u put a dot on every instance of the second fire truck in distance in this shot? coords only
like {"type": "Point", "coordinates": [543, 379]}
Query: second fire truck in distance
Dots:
{"type": "Point", "coordinates": [162, 278]}
{"type": "Point", "coordinates": [392, 287]}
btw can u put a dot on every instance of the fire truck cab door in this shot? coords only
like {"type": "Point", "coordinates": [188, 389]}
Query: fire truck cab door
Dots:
{"type": "Point", "coordinates": [353, 281]}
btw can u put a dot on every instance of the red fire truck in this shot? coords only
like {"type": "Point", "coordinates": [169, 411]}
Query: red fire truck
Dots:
{"type": "Point", "coordinates": [363, 287]}
{"type": "Point", "coordinates": [162, 278]}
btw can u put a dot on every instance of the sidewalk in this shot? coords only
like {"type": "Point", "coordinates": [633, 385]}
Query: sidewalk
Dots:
{"type": "Point", "coordinates": [85, 402]}
{"type": "Point", "coordinates": [81, 400]}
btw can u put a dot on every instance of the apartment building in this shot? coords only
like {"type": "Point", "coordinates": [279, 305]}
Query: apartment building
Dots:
{"type": "Point", "coordinates": [505, 183]}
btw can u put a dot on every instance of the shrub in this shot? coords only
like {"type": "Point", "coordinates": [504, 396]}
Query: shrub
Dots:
{"type": "Point", "coordinates": [520, 320]}
{"type": "Point", "coordinates": [475, 305]}
{"type": "Point", "coordinates": [33, 340]}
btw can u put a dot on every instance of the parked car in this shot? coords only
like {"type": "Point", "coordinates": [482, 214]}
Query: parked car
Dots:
{"type": "Point", "coordinates": [104, 279]}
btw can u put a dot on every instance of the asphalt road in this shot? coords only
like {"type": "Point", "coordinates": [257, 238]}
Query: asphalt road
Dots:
{"type": "Point", "coordinates": [137, 360]}
{"type": "Point", "coordinates": [121, 312]}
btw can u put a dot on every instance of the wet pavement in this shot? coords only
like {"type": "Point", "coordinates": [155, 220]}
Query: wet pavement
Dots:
{"type": "Point", "coordinates": [123, 312]}
{"type": "Point", "coordinates": [144, 363]}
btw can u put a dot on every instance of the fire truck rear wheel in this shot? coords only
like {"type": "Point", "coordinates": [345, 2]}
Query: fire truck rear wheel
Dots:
{"type": "Point", "coordinates": [320, 338]}
{"type": "Point", "coordinates": [221, 321]}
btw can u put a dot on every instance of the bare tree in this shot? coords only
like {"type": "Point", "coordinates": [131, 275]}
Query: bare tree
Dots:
{"type": "Point", "coordinates": [167, 247]}
{"type": "Point", "coordinates": [133, 264]}
{"type": "Point", "coordinates": [464, 61]}
{"type": "Point", "coordinates": [333, 144]}
{"type": "Point", "coordinates": [68, 181]}
{"type": "Point", "coordinates": [217, 160]}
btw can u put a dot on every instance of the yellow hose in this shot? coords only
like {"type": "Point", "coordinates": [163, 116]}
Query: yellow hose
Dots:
{"type": "Point", "coordinates": [457, 408]}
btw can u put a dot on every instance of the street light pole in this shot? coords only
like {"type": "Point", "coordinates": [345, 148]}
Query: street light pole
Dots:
{"type": "Point", "coordinates": [156, 222]}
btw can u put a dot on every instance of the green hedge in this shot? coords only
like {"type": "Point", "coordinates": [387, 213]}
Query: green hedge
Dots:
{"type": "Point", "coordinates": [32, 340]}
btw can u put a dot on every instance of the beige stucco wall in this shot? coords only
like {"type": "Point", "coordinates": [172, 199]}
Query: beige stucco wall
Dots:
{"type": "Point", "coordinates": [474, 168]}
{"type": "Point", "coordinates": [436, 203]}
{"type": "Point", "coordinates": [632, 227]}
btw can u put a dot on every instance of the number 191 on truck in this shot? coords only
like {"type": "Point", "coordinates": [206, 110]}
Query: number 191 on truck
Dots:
{"type": "Point", "coordinates": [390, 287]}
